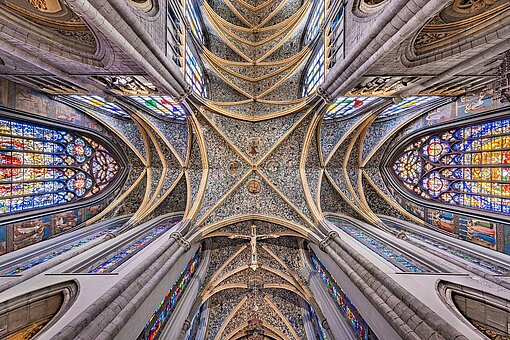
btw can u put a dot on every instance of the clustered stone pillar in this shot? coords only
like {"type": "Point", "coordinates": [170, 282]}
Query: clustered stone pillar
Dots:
{"type": "Point", "coordinates": [410, 317]}
{"type": "Point", "coordinates": [107, 315]}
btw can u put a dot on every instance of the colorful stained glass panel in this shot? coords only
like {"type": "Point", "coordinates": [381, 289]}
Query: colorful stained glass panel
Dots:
{"type": "Point", "coordinates": [347, 106]}
{"type": "Point", "coordinates": [49, 166]}
{"type": "Point", "coordinates": [161, 106]}
{"type": "Point", "coordinates": [99, 103]}
{"type": "Point", "coordinates": [463, 167]}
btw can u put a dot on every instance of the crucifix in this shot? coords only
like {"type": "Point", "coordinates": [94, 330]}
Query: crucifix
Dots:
{"type": "Point", "coordinates": [253, 243]}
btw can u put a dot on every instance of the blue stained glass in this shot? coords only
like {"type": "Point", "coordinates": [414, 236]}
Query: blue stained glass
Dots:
{"type": "Point", "coordinates": [314, 25]}
{"type": "Point", "coordinates": [20, 269]}
{"type": "Point", "coordinates": [389, 254]}
{"type": "Point", "coordinates": [49, 166]}
{"type": "Point", "coordinates": [194, 21]}
{"type": "Point", "coordinates": [321, 334]}
{"type": "Point", "coordinates": [465, 255]}
{"type": "Point", "coordinates": [407, 104]}
{"type": "Point", "coordinates": [314, 74]}
{"type": "Point", "coordinates": [115, 261]}
{"type": "Point", "coordinates": [344, 303]}
{"type": "Point", "coordinates": [167, 305]}
{"type": "Point", "coordinates": [465, 167]}
{"type": "Point", "coordinates": [195, 74]}
{"type": "Point", "coordinates": [193, 327]}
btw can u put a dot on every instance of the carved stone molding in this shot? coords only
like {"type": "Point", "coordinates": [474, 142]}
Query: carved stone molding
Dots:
{"type": "Point", "coordinates": [462, 19]}
{"type": "Point", "coordinates": [371, 6]}
{"type": "Point", "coordinates": [181, 240]}
{"type": "Point", "coordinates": [332, 235]}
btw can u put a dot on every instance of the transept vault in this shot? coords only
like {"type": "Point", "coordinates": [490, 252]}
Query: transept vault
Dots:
{"type": "Point", "coordinates": [254, 169]}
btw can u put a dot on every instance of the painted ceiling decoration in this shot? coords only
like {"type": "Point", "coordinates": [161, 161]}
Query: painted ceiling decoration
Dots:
{"type": "Point", "coordinates": [266, 169]}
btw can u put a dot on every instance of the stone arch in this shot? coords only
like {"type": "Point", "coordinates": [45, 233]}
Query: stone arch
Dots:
{"type": "Point", "coordinates": [365, 7]}
{"type": "Point", "coordinates": [461, 26]}
{"type": "Point", "coordinates": [487, 313]}
{"type": "Point", "coordinates": [52, 27]}
{"type": "Point", "coordinates": [32, 313]}
{"type": "Point", "coordinates": [147, 7]}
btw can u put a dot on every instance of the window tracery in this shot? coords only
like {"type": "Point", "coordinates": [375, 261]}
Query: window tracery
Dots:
{"type": "Point", "coordinates": [195, 74]}
{"type": "Point", "coordinates": [161, 106]}
{"type": "Point", "coordinates": [334, 41]}
{"type": "Point", "coordinates": [407, 104]}
{"type": "Point", "coordinates": [346, 106]}
{"type": "Point", "coordinates": [42, 167]}
{"type": "Point", "coordinates": [315, 73]}
{"type": "Point", "coordinates": [99, 103]}
{"type": "Point", "coordinates": [314, 26]}
{"type": "Point", "coordinates": [193, 19]}
{"type": "Point", "coordinates": [465, 167]}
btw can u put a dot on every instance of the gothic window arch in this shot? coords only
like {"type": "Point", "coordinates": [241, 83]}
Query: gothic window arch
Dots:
{"type": "Point", "coordinates": [43, 166]}
{"type": "Point", "coordinates": [465, 167]}
{"type": "Point", "coordinates": [147, 6]}
{"type": "Point", "coordinates": [54, 28]}
{"type": "Point", "coordinates": [460, 24]}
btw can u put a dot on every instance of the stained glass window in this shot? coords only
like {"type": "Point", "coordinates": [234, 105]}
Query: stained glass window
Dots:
{"type": "Point", "coordinates": [317, 17]}
{"type": "Point", "coordinates": [314, 74]}
{"type": "Point", "coordinates": [346, 106]}
{"type": "Point", "coordinates": [467, 166]}
{"type": "Point", "coordinates": [406, 104]}
{"type": "Point", "coordinates": [346, 306]}
{"type": "Point", "coordinates": [195, 74]}
{"type": "Point", "coordinates": [194, 21]}
{"type": "Point", "coordinates": [335, 39]}
{"type": "Point", "coordinates": [167, 305]}
{"type": "Point", "coordinates": [99, 103]}
{"type": "Point", "coordinates": [42, 167]}
{"type": "Point", "coordinates": [161, 106]}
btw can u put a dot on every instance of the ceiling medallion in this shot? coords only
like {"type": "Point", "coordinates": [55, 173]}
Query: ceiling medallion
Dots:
{"type": "Point", "coordinates": [273, 167]}
{"type": "Point", "coordinates": [253, 186]}
{"type": "Point", "coordinates": [234, 168]}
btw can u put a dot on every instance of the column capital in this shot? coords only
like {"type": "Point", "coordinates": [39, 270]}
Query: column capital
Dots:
{"type": "Point", "coordinates": [324, 95]}
{"type": "Point", "coordinates": [186, 95]}
{"type": "Point", "coordinates": [177, 236]}
{"type": "Point", "coordinates": [327, 240]}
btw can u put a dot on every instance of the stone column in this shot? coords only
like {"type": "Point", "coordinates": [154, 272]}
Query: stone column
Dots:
{"type": "Point", "coordinates": [409, 317]}
{"type": "Point", "coordinates": [104, 318]}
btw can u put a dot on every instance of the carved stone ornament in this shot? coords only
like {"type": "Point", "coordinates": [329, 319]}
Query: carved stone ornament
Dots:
{"type": "Point", "coordinates": [472, 6]}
